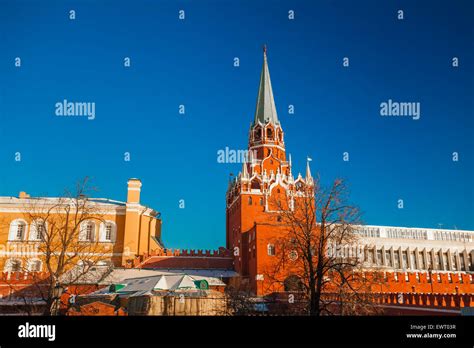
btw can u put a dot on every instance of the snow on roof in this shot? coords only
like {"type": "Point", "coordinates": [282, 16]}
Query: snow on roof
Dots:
{"type": "Point", "coordinates": [165, 282]}
{"type": "Point", "coordinates": [213, 276]}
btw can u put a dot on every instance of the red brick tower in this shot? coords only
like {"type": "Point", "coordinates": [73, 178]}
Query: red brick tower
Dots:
{"type": "Point", "coordinates": [251, 196]}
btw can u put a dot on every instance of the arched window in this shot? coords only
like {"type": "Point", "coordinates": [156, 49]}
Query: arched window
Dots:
{"type": "Point", "coordinates": [13, 265]}
{"type": "Point", "coordinates": [269, 133]}
{"type": "Point", "coordinates": [250, 200]}
{"type": "Point", "coordinates": [17, 230]}
{"type": "Point", "coordinates": [261, 200]}
{"type": "Point", "coordinates": [257, 134]}
{"type": "Point", "coordinates": [108, 231]}
{"type": "Point", "coordinates": [87, 231]}
{"type": "Point", "coordinates": [271, 250]}
{"type": "Point", "coordinates": [37, 230]}
{"type": "Point", "coordinates": [34, 265]}
{"type": "Point", "coordinates": [255, 185]}
{"type": "Point", "coordinates": [299, 186]}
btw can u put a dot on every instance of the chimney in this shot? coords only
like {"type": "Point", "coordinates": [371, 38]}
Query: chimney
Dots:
{"type": "Point", "coordinates": [133, 191]}
{"type": "Point", "coordinates": [23, 195]}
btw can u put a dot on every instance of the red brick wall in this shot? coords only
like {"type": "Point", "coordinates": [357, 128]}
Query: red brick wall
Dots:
{"type": "Point", "coordinates": [192, 259]}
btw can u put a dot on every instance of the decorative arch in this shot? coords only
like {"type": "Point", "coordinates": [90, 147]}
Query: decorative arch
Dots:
{"type": "Point", "coordinates": [37, 229]}
{"type": "Point", "coordinates": [87, 231]}
{"type": "Point", "coordinates": [35, 265]}
{"type": "Point", "coordinates": [255, 184]}
{"type": "Point", "coordinates": [108, 231]}
{"type": "Point", "coordinates": [279, 185]}
{"type": "Point", "coordinates": [257, 133]}
{"type": "Point", "coordinates": [269, 133]}
{"type": "Point", "coordinates": [299, 185]}
{"type": "Point", "coordinates": [13, 265]}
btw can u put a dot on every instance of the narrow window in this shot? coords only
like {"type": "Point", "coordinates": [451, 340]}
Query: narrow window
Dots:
{"type": "Point", "coordinates": [462, 264]}
{"type": "Point", "coordinates": [88, 233]}
{"type": "Point", "coordinates": [412, 259]}
{"type": "Point", "coordinates": [20, 231]}
{"type": "Point", "coordinates": [396, 255]}
{"type": "Point", "coordinates": [388, 258]}
{"type": "Point", "coordinates": [271, 250]}
{"type": "Point", "coordinates": [405, 259]}
{"type": "Point", "coordinates": [108, 232]}
{"type": "Point", "coordinates": [453, 262]}
{"type": "Point", "coordinates": [379, 257]}
{"type": "Point", "coordinates": [421, 260]}
{"type": "Point", "coordinates": [269, 134]}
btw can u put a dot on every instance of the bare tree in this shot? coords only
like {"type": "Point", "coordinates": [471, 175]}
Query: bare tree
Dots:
{"type": "Point", "coordinates": [64, 241]}
{"type": "Point", "coordinates": [238, 302]}
{"type": "Point", "coordinates": [319, 224]}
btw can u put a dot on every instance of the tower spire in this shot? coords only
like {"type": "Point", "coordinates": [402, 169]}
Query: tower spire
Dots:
{"type": "Point", "coordinates": [308, 170]}
{"type": "Point", "coordinates": [265, 111]}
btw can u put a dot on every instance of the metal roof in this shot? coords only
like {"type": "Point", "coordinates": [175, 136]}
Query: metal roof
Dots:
{"type": "Point", "coordinates": [265, 111]}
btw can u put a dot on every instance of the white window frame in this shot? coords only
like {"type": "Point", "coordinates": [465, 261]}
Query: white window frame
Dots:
{"type": "Point", "coordinates": [271, 250]}
{"type": "Point", "coordinates": [103, 231]}
{"type": "Point", "coordinates": [9, 264]}
{"type": "Point", "coordinates": [34, 230]}
{"type": "Point", "coordinates": [84, 230]}
{"type": "Point", "coordinates": [13, 232]}
{"type": "Point", "coordinates": [31, 262]}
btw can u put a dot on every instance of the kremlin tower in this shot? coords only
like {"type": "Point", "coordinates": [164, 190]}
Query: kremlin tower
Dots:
{"type": "Point", "coordinates": [266, 176]}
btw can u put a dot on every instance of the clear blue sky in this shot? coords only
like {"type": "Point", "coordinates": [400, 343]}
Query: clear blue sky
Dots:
{"type": "Point", "coordinates": [190, 62]}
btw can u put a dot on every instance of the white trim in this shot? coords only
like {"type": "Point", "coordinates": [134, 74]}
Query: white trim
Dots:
{"type": "Point", "coordinates": [99, 212]}
{"type": "Point", "coordinates": [33, 229]}
{"type": "Point", "coordinates": [83, 231]}
{"type": "Point", "coordinates": [103, 231]}
{"type": "Point", "coordinates": [13, 230]}
{"type": "Point", "coordinates": [267, 145]}
{"type": "Point", "coordinates": [8, 264]}
{"type": "Point", "coordinates": [30, 263]}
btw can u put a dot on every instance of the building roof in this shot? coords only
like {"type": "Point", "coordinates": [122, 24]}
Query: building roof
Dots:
{"type": "Point", "coordinates": [158, 283]}
{"type": "Point", "coordinates": [265, 111]}
{"type": "Point", "coordinates": [104, 275]}
{"type": "Point", "coordinates": [56, 200]}
{"type": "Point", "coordinates": [154, 283]}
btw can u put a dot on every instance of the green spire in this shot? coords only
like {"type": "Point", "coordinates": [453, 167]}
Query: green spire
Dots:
{"type": "Point", "coordinates": [266, 110]}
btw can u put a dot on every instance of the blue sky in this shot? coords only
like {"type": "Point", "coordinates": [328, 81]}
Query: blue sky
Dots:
{"type": "Point", "coordinates": [190, 62]}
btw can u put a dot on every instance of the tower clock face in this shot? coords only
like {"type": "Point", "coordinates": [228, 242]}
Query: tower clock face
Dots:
{"type": "Point", "coordinates": [293, 255]}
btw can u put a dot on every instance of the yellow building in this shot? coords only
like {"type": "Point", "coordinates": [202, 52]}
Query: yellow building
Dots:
{"type": "Point", "coordinates": [108, 231]}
